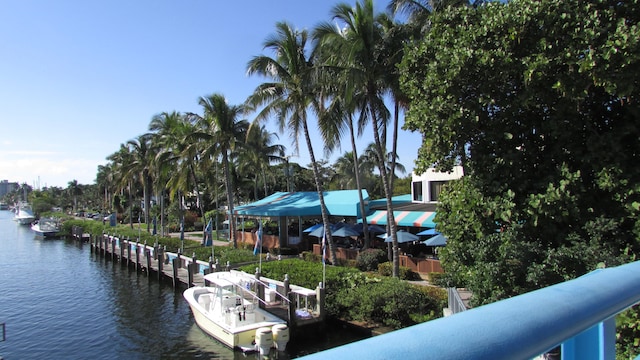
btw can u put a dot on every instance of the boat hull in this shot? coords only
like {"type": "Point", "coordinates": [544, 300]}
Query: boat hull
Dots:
{"type": "Point", "coordinates": [24, 220]}
{"type": "Point", "coordinates": [46, 228]}
{"type": "Point", "coordinates": [228, 326]}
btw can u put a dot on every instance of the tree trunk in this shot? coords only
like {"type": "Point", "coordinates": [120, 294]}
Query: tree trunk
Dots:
{"type": "Point", "coordinates": [130, 207]}
{"type": "Point", "coordinates": [229, 185]}
{"type": "Point", "coordinates": [391, 223]}
{"type": "Point", "coordinates": [356, 165]}
{"type": "Point", "coordinates": [319, 187]}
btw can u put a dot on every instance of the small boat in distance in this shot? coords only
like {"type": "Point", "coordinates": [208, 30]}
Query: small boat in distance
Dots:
{"type": "Point", "coordinates": [24, 214]}
{"type": "Point", "coordinates": [46, 227]}
{"type": "Point", "coordinates": [4, 206]}
{"type": "Point", "coordinates": [229, 311]}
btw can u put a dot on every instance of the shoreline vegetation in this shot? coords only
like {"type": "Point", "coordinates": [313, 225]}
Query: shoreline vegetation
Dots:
{"type": "Point", "coordinates": [373, 303]}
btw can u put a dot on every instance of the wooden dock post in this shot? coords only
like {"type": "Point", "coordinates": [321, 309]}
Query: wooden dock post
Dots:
{"type": "Point", "coordinates": [176, 265]}
{"type": "Point", "coordinates": [160, 262]}
{"type": "Point", "coordinates": [121, 251]}
{"type": "Point", "coordinates": [320, 299]}
{"type": "Point", "coordinates": [191, 269]}
{"type": "Point", "coordinates": [113, 248]}
{"type": "Point", "coordinates": [287, 289]}
{"type": "Point", "coordinates": [137, 255]}
{"type": "Point", "coordinates": [259, 289]}
{"type": "Point", "coordinates": [128, 252]}
{"type": "Point", "coordinates": [292, 311]}
{"type": "Point", "coordinates": [147, 254]}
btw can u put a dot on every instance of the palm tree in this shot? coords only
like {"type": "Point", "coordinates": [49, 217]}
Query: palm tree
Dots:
{"type": "Point", "coordinates": [74, 190]}
{"type": "Point", "coordinates": [359, 37]}
{"type": "Point", "coordinates": [259, 153]}
{"type": "Point", "coordinates": [222, 132]}
{"type": "Point", "coordinates": [289, 95]}
{"type": "Point", "coordinates": [123, 177]}
{"type": "Point", "coordinates": [177, 156]}
{"type": "Point", "coordinates": [143, 155]}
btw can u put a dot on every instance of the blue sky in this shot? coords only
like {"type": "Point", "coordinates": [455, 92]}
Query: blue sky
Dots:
{"type": "Point", "coordinates": [78, 78]}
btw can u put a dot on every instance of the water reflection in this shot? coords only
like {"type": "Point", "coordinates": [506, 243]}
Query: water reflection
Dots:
{"type": "Point", "coordinates": [60, 301]}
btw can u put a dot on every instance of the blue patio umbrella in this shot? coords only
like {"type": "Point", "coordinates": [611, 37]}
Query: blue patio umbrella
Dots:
{"type": "Point", "coordinates": [345, 231]}
{"type": "Point", "coordinates": [428, 232]}
{"type": "Point", "coordinates": [438, 240]}
{"type": "Point", "coordinates": [403, 237]}
{"type": "Point", "coordinates": [318, 232]}
{"type": "Point", "coordinates": [373, 228]}
{"type": "Point", "coordinates": [311, 228]}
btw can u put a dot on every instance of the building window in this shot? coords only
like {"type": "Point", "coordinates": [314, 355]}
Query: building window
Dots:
{"type": "Point", "coordinates": [435, 188]}
{"type": "Point", "coordinates": [417, 191]}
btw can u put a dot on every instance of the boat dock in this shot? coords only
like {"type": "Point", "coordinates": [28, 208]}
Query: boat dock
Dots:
{"type": "Point", "coordinates": [299, 306]}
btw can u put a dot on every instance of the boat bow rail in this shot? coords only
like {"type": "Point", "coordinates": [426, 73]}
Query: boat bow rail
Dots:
{"type": "Point", "coordinates": [578, 314]}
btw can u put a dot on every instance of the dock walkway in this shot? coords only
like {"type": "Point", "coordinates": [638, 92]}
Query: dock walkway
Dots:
{"type": "Point", "coordinates": [184, 272]}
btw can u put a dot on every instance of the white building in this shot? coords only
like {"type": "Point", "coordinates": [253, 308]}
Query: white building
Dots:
{"type": "Point", "coordinates": [426, 187]}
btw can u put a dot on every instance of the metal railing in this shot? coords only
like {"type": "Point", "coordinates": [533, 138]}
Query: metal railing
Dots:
{"type": "Point", "coordinates": [455, 303]}
{"type": "Point", "coordinates": [578, 314]}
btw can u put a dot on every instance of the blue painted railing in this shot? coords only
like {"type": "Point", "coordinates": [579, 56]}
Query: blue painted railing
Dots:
{"type": "Point", "coordinates": [578, 314]}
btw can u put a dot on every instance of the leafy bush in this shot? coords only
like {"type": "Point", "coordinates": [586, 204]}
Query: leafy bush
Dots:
{"type": "Point", "coordinates": [388, 301]}
{"type": "Point", "coordinates": [628, 333]}
{"type": "Point", "coordinates": [352, 295]}
{"type": "Point", "coordinates": [369, 259]}
{"type": "Point", "coordinates": [440, 279]}
{"type": "Point", "coordinates": [386, 269]}
{"type": "Point", "coordinates": [310, 256]}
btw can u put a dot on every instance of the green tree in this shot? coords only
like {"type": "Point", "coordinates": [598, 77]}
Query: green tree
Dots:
{"type": "Point", "coordinates": [260, 151]}
{"type": "Point", "coordinates": [359, 37]}
{"type": "Point", "coordinates": [290, 95]}
{"type": "Point", "coordinates": [223, 133]}
{"type": "Point", "coordinates": [74, 189]}
{"type": "Point", "coordinates": [143, 154]}
{"type": "Point", "coordinates": [538, 100]}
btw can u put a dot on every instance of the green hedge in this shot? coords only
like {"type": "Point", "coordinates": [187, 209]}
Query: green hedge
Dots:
{"type": "Point", "coordinates": [354, 295]}
{"type": "Point", "coordinates": [222, 253]}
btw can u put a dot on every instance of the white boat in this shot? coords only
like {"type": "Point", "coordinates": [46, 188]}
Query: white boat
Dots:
{"type": "Point", "coordinates": [46, 227]}
{"type": "Point", "coordinates": [229, 311]}
{"type": "Point", "coordinates": [24, 214]}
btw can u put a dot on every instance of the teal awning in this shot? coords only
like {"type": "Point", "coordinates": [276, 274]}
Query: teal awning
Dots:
{"type": "Point", "coordinates": [339, 203]}
{"type": "Point", "coordinates": [404, 218]}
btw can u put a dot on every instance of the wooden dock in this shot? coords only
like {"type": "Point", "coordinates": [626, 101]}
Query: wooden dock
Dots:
{"type": "Point", "coordinates": [184, 272]}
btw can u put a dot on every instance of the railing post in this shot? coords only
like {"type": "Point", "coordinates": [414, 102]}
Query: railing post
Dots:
{"type": "Point", "coordinates": [596, 343]}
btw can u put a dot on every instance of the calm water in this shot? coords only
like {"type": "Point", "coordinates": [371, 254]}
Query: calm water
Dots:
{"type": "Point", "coordinates": [60, 301]}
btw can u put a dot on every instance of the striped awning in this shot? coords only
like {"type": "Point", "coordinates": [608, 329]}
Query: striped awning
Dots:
{"type": "Point", "coordinates": [404, 218]}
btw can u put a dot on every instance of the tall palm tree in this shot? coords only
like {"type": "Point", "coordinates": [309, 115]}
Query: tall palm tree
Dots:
{"type": "Point", "coordinates": [74, 190]}
{"type": "Point", "coordinates": [177, 156]}
{"type": "Point", "coordinates": [361, 34]}
{"type": "Point", "coordinates": [122, 175]}
{"type": "Point", "coordinates": [223, 132]}
{"type": "Point", "coordinates": [143, 155]}
{"type": "Point", "coordinates": [289, 95]}
{"type": "Point", "coordinates": [259, 153]}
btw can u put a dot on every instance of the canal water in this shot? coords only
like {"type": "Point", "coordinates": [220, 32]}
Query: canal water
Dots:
{"type": "Point", "coordinates": [60, 301]}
